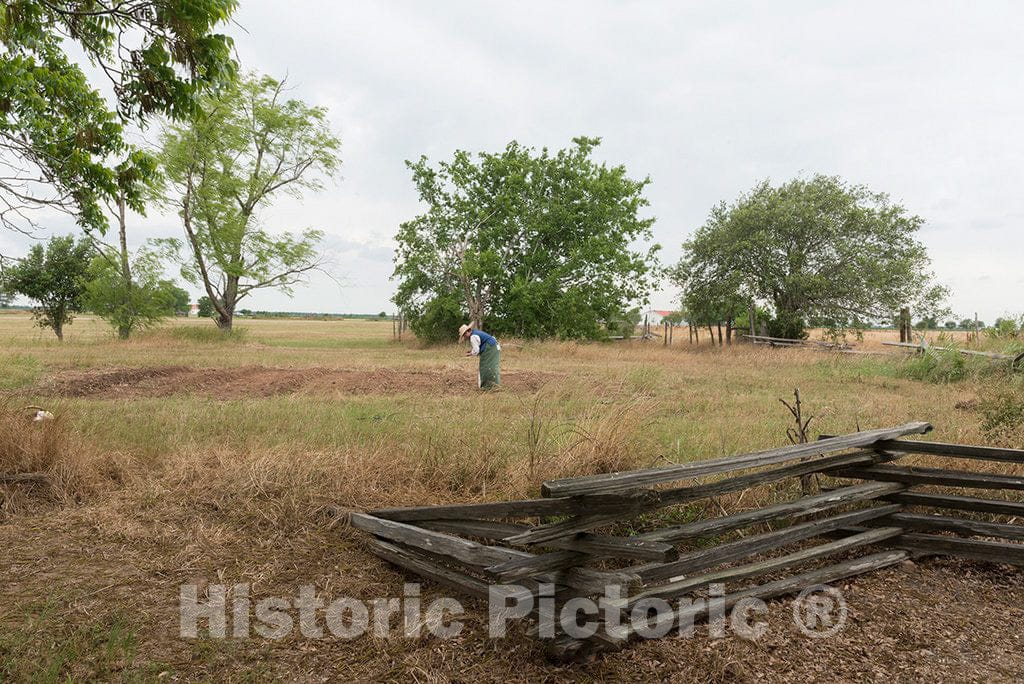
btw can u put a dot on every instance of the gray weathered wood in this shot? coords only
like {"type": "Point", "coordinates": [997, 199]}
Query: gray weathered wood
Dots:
{"type": "Point", "coordinates": [933, 476]}
{"type": "Point", "coordinates": [519, 568]}
{"type": "Point", "coordinates": [685, 585]}
{"type": "Point", "coordinates": [941, 523]}
{"type": "Point", "coordinates": [705, 559]}
{"type": "Point", "coordinates": [526, 508]}
{"type": "Point", "coordinates": [438, 543]}
{"type": "Point", "coordinates": [611, 482]}
{"type": "Point", "coordinates": [24, 478]}
{"type": "Point", "coordinates": [698, 611]}
{"type": "Point", "coordinates": [973, 549]}
{"type": "Point", "coordinates": [594, 544]}
{"type": "Point", "coordinates": [957, 502]}
{"type": "Point", "coordinates": [981, 453]}
{"type": "Point", "coordinates": [803, 506]}
{"type": "Point", "coordinates": [734, 484]}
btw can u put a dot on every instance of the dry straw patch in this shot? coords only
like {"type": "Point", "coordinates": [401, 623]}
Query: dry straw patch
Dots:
{"type": "Point", "coordinates": [70, 469]}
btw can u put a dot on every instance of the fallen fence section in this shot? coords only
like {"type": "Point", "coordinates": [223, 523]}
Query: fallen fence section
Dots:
{"type": "Point", "coordinates": [1016, 361]}
{"type": "Point", "coordinates": [626, 533]}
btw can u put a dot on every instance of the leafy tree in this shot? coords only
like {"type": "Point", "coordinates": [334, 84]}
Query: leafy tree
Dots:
{"type": "Point", "coordinates": [179, 297]}
{"type": "Point", "coordinates": [205, 308]}
{"type": "Point", "coordinates": [55, 278]}
{"type": "Point", "coordinates": [223, 167]}
{"type": "Point", "coordinates": [134, 304]}
{"type": "Point", "coordinates": [927, 323]}
{"type": "Point", "coordinates": [816, 248]}
{"type": "Point", "coordinates": [57, 133]}
{"type": "Point", "coordinates": [950, 325]}
{"type": "Point", "coordinates": [710, 298]}
{"type": "Point", "coordinates": [526, 243]}
{"type": "Point", "coordinates": [968, 324]}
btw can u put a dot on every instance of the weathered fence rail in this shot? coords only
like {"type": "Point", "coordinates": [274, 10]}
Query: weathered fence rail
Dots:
{"type": "Point", "coordinates": [870, 513]}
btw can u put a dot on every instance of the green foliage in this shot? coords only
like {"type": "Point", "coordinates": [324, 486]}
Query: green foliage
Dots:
{"type": "Point", "coordinates": [55, 278]}
{"type": "Point", "coordinates": [534, 244]}
{"type": "Point", "coordinates": [131, 305]}
{"type": "Point", "coordinates": [227, 164]}
{"type": "Point", "coordinates": [205, 308]}
{"type": "Point", "coordinates": [817, 248]}
{"type": "Point", "coordinates": [439, 319]}
{"type": "Point", "coordinates": [927, 323]}
{"type": "Point", "coordinates": [56, 126]}
{"type": "Point", "coordinates": [943, 367]}
{"type": "Point", "coordinates": [1005, 328]}
{"type": "Point", "coordinates": [179, 296]}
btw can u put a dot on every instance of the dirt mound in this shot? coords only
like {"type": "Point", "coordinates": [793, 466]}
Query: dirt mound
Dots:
{"type": "Point", "coordinates": [260, 381]}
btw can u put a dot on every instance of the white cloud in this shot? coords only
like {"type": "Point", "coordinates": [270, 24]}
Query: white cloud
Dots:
{"type": "Point", "coordinates": [918, 99]}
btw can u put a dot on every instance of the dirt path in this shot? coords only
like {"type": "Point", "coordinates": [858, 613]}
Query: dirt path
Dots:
{"type": "Point", "coordinates": [261, 381]}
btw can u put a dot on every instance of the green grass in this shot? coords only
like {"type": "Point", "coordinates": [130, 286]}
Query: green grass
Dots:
{"type": "Point", "coordinates": [49, 646]}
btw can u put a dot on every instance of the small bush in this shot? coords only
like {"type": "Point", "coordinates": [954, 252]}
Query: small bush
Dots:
{"type": "Point", "coordinates": [1002, 410]}
{"type": "Point", "coordinates": [944, 366]}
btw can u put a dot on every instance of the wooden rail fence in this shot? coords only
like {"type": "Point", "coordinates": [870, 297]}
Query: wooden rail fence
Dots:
{"type": "Point", "coordinates": [588, 533]}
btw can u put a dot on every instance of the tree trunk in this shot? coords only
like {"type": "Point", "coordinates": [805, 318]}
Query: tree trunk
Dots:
{"type": "Point", "coordinates": [719, 333]}
{"type": "Point", "coordinates": [58, 330]}
{"type": "Point", "coordinates": [728, 331]}
{"type": "Point", "coordinates": [125, 329]}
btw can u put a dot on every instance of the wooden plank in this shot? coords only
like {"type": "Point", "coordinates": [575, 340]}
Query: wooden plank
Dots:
{"type": "Point", "coordinates": [526, 508]}
{"type": "Point", "coordinates": [972, 549]}
{"type": "Point", "coordinates": [685, 585]}
{"type": "Point", "coordinates": [423, 566]}
{"type": "Point", "coordinates": [611, 482]}
{"type": "Point", "coordinates": [933, 476]}
{"type": "Point", "coordinates": [24, 478]}
{"type": "Point", "coordinates": [593, 544]}
{"type": "Point", "coordinates": [803, 506]}
{"type": "Point", "coordinates": [941, 523]}
{"type": "Point", "coordinates": [957, 502]}
{"type": "Point", "coordinates": [704, 559]}
{"type": "Point", "coordinates": [438, 543]}
{"type": "Point", "coordinates": [520, 568]}
{"type": "Point", "coordinates": [479, 555]}
{"type": "Point", "coordinates": [981, 453]}
{"type": "Point", "coordinates": [698, 611]}
{"type": "Point", "coordinates": [734, 484]}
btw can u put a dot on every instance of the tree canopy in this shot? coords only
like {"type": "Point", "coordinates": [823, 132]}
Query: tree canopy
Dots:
{"type": "Point", "coordinates": [61, 146]}
{"type": "Point", "coordinates": [55, 278]}
{"type": "Point", "coordinates": [249, 144]}
{"type": "Point", "coordinates": [527, 243]}
{"type": "Point", "coordinates": [811, 248]}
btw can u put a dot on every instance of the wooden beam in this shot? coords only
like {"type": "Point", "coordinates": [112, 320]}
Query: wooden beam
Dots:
{"type": "Point", "coordinates": [612, 482]}
{"type": "Point", "coordinates": [24, 478]}
{"type": "Point", "coordinates": [957, 502]}
{"type": "Point", "coordinates": [803, 506]}
{"type": "Point", "coordinates": [973, 549]}
{"type": "Point", "coordinates": [526, 508]}
{"type": "Point", "coordinates": [704, 559]}
{"type": "Point", "coordinates": [981, 453]}
{"type": "Point", "coordinates": [593, 544]}
{"type": "Point", "coordinates": [686, 585]}
{"type": "Point", "coordinates": [741, 482]}
{"type": "Point", "coordinates": [698, 611]}
{"type": "Point", "coordinates": [933, 476]}
{"type": "Point", "coordinates": [941, 523]}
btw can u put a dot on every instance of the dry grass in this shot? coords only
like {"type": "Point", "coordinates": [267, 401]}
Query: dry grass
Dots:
{"type": "Point", "coordinates": [156, 491]}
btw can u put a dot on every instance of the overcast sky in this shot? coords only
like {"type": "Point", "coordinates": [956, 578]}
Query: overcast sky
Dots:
{"type": "Point", "coordinates": [920, 100]}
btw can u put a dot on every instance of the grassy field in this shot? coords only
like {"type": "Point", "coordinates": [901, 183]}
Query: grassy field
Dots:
{"type": "Point", "coordinates": [181, 457]}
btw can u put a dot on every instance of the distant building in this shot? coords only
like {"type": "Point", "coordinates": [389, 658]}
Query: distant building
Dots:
{"type": "Point", "coordinates": [655, 316]}
{"type": "Point", "coordinates": [193, 310]}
